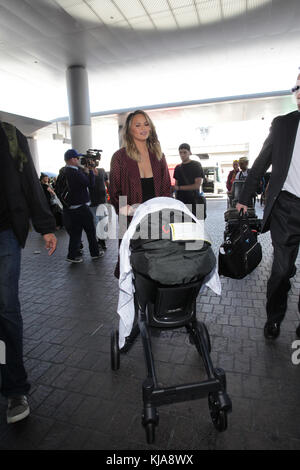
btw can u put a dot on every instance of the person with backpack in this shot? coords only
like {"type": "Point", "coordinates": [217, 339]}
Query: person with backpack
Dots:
{"type": "Point", "coordinates": [21, 199]}
{"type": "Point", "coordinates": [73, 188]}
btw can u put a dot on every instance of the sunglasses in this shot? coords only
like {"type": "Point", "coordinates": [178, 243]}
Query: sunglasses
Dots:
{"type": "Point", "coordinates": [295, 88]}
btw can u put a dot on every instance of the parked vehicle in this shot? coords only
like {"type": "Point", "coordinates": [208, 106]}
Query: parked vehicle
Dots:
{"type": "Point", "coordinates": [212, 185]}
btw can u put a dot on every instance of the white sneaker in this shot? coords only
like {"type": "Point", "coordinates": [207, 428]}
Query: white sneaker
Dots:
{"type": "Point", "coordinates": [17, 409]}
{"type": "Point", "coordinates": [75, 260]}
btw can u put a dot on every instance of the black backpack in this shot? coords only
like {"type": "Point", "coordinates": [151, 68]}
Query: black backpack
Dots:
{"type": "Point", "coordinates": [62, 187]}
{"type": "Point", "coordinates": [240, 253]}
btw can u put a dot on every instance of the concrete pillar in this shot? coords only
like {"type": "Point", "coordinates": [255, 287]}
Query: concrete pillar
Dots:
{"type": "Point", "coordinates": [33, 147]}
{"type": "Point", "coordinates": [121, 121]}
{"type": "Point", "coordinates": [79, 108]}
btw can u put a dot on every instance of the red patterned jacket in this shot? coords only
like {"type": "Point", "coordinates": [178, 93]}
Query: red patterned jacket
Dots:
{"type": "Point", "coordinates": [125, 178]}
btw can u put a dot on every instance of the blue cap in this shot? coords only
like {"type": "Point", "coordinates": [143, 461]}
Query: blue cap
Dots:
{"type": "Point", "coordinates": [71, 153]}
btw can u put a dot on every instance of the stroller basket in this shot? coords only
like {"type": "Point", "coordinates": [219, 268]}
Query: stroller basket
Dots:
{"type": "Point", "coordinates": [167, 306]}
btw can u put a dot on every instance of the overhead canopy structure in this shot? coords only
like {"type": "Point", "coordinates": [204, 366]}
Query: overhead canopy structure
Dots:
{"type": "Point", "coordinates": [140, 52]}
{"type": "Point", "coordinates": [26, 125]}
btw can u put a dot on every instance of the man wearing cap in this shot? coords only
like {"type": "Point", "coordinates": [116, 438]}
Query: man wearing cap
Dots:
{"type": "Point", "coordinates": [77, 215]}
{"type": "Point", "coordinates": [21, 199]}
{"type": "Point", "coordinates": [188, 180]}
{"type": "Point", "coordinates": [282, 211]}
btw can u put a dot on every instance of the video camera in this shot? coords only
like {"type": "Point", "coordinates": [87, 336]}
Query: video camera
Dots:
{"type": "Point", "coordinates": [91, 158]}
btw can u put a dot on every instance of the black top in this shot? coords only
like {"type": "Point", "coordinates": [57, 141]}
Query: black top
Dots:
{"type": "Point", "coordinates": [98, 192]}
{"type": "Point", "coordinates": [147, 188]}
{"type": "Point", "coordinates": [4, 213]}
{"type": "Point", "coordinates": [185, 174]}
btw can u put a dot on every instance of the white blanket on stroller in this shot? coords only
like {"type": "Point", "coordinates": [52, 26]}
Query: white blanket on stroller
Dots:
{"type": "Point", "coordinates": [126, 288]}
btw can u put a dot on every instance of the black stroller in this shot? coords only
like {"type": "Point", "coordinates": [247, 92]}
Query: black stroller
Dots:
{"type": "Point", "coordinates": [161, 301]}
{"type": "Point", "coordinates": [231, 215]}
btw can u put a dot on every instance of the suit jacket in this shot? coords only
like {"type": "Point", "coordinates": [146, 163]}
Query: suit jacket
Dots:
{"type": "Point", "coordinates": [277, 151]}
{"type": "Point", "coordinates": [125, 178]}
{"type": "Point", "coordinates": [24, 194]}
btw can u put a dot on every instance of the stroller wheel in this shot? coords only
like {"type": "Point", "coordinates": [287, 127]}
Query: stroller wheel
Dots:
{"type": "Point", "coordinates": [150, 432]}
{"type": "Point", "coordinates": [114, 350]}
{"type": "Point", "coordinates": [218, 416]}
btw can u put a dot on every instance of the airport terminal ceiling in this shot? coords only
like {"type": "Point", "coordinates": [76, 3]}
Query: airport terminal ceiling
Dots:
{"type": "Point", "coordinates": [144, 52]}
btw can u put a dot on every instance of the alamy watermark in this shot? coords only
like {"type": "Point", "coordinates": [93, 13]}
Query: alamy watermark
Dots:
{"type": "Point", "coordinates": [296, 353]}
{"type": "Point", "coordinates": [111, 227]}
{"type": "Point", "coordinates": [2, 352]}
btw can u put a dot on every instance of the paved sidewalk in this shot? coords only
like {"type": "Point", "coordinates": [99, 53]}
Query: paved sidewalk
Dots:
{"type": "Point", "coordinates": [77, 402]}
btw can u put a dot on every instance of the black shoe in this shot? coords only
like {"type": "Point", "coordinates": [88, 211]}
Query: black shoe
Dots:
{"type": "Point", "coordinates": [298, 331]}
{"type": "Point", "coordinates": [102, 244]}
{"type": "Point", "coordinates": [272, 330]}
{"type": "Point", "coordinates": [101, 253]}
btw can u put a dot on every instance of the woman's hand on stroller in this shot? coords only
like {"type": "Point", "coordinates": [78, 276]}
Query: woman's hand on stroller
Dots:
{"type": "Point", "coordinates": [127, 210]}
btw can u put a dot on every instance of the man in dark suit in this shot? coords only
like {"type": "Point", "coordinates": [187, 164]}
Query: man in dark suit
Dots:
{"type": "Point", "coordinates": [21, 199]}
{"type": "Point", "coordinates": [282, 211]}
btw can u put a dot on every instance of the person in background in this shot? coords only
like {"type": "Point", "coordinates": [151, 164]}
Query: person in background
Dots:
{"type": "Point", "coordinates": [232, 175]}
{"type": "Point", "coordinates": [98, 196]}
{"type": "Point", "coordinates": [188, 180]}
{"type": "Point", "coordinates": [21, 199]}
{"type": "Point", "coordinates": [50, 193]}
{"type": "Point", "coordinates": [281, 149]}
{"type": "Point", "coordinates": [77, 215]}
{"type": "Point", "coordinates": [139, 169]}
{"type": "Point", "coordinates": [244, 170]}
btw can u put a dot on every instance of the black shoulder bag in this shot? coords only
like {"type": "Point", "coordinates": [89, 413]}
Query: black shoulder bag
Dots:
{"type": "Point", "coordinates": [240, 253]}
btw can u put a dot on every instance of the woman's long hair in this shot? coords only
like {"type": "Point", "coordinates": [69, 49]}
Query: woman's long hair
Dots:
{"type": "Point", "coordinates": [152, 141]}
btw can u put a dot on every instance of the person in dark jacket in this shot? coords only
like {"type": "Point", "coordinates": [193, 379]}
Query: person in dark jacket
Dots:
{"type": "Point", "coordinates": [50, 193]}
{"type": "Point", "coordinates": [232, 174]}
{"type": "Point", "coordinates": [282, 211]}
{"type": "Point", "coordinates": [77, 215]}
{"type": "Point", "coordinates": [21, 198]}
{"type": "Point", "coordinates": [98, 196]}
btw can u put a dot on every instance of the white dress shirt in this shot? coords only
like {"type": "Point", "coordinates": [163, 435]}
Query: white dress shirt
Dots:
{"type": "Point", "coordinates": [292, 182]}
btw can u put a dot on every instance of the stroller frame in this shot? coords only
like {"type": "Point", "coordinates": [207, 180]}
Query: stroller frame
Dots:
{"type": "Point", "coordinates": [152, 302]}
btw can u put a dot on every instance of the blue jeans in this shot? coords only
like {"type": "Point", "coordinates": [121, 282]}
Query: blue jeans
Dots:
{"type": "Point", "coordinates": [13, 374]}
